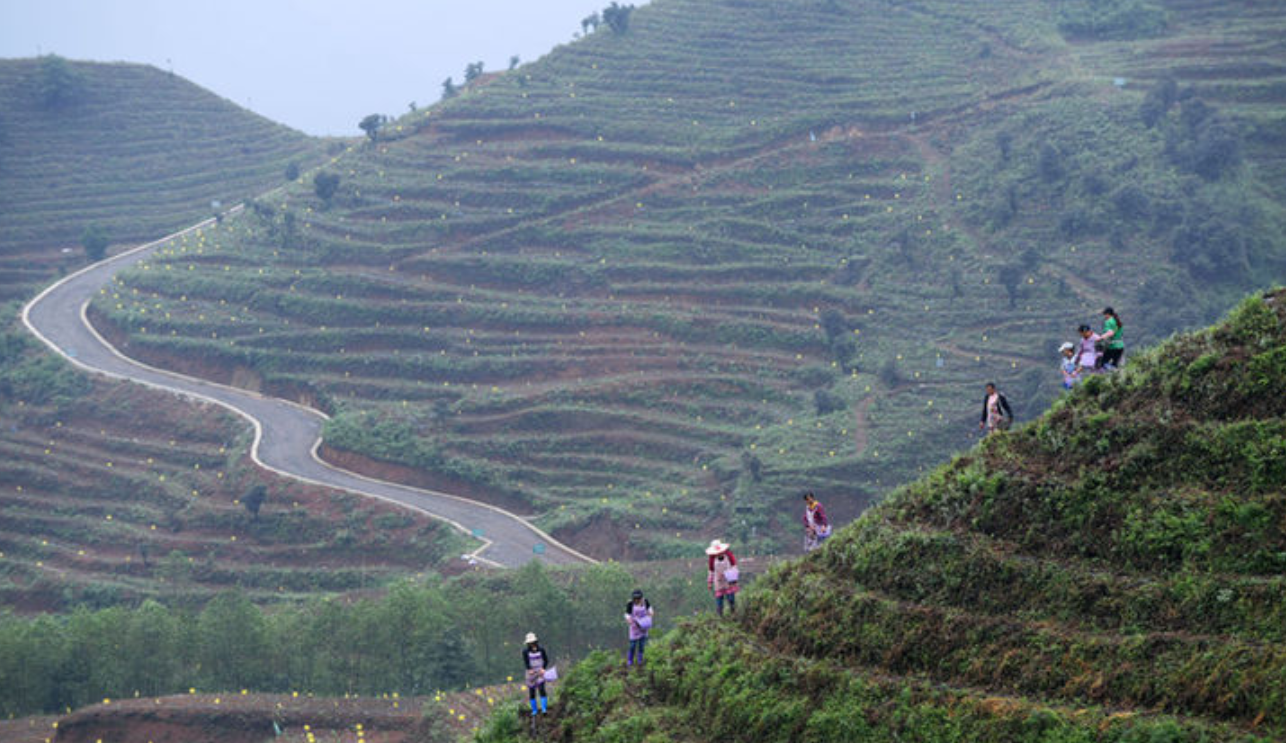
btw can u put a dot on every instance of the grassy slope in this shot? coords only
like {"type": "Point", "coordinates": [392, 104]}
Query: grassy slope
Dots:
{"type": "Point", "coordinates": [1115, 570]}
{"type": "Point", "coordinates": [654, 283]}
{"type": "Point", "coordinates": [136, 150]}
{"type": "Point", "coordinates": [115, 494]}
{"type": "Point", "coordinates": [112, 493]}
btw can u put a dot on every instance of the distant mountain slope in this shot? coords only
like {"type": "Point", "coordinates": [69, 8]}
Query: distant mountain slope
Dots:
{"type": "Point", "coordinates": [1115, 571]}
{"type": "Point", "coordinates": [657, 282]}
{"type": "Point", "coordinates": [135, 150]}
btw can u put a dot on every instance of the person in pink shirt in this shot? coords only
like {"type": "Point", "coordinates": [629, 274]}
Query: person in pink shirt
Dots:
{"type": "Point", "coordinates": [1086, 353]}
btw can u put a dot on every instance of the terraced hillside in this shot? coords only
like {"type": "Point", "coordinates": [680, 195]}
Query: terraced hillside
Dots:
{"type": "Point", "coordinates": [113, 493]}
{"type": "Point", "coordinates": [650, 286]}
{"type": "Point", "coordinates": [130, 148]}
{"type": "Point", "coordinates": [1114, 571]}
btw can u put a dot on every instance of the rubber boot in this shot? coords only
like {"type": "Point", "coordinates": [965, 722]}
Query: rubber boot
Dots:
{"type": "Point", "coordinates": [544, 705]}
{"type": "Point", "coordinates": [533, 707]}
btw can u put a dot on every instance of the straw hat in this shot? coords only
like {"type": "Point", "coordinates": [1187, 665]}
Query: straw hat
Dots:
{"type": "Point", "coordinates": [716, 547]}
{"type": "Point", "coordinates": [531, 637]}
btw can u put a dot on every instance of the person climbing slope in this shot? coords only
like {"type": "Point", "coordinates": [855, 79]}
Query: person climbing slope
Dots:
{"type": "Point", "coordinates": [816, 527]}
{"type": "Point", "coordinates": [723, 576]}
{"type": "Point", "coordinates": [536, 660]}
{"type": "Point", "coordinates": [996, 413]}
{"type": "Point", "coordinates": [639, 616]}
{"type": "Point", "coordinates": [1114, 342]}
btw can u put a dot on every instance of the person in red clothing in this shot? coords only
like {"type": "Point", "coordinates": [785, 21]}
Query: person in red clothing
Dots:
{"type": "Point", "coordinates": [723, 576]}
{"type": "Point", "coordinates": [816, 527]}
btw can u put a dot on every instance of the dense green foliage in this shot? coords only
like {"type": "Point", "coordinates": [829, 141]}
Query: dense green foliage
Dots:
{"type": "Point", "coordinates": [1111, 572]}
{"type": "Point", "coordinates": [658, 281]}
{"type": "Point", "coordinates": [423, 635]}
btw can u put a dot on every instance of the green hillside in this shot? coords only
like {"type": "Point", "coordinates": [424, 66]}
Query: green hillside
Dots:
{"type": "Point", "coordinates": [1114, 571]}
{"type": "Point", "coordinates": [655, 283]}
{"type": "Point", "coordinates": [130, 148]}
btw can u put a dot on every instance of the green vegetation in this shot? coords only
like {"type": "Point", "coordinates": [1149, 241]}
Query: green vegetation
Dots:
{"type": "Point", "coordinates": [94, 240]}
{"type": "Point", "coordinates": [1113, 571]}
{"type": "Point", "coordinates": [423, 635]}
{"type": "Point", "coordinates": [113, 494]}
{"type": "Point", "coordinates": [658, 281]}
{"type": "Point", "coordinates": [131, 149]}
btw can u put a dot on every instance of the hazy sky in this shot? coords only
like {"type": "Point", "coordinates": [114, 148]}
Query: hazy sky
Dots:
{"type": "Point", "coordinates": [317, 65]}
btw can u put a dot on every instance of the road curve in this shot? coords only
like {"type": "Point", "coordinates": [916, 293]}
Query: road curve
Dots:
{"type": "Point", "coordinates": [286, 434]}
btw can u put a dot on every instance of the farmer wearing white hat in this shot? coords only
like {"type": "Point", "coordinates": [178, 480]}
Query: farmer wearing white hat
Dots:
{"type": "Point", "coordinates": [536, 660]}
{"type": "Point", "coordinates": [1071, 371]}
{"type": "Point", "coordinates": [723, 576]}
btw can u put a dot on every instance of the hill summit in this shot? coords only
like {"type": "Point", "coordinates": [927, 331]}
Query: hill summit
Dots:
{"type": "Point", "coordinates": [134, 150]}
{"type": "Point", "coordinates": [1114, 571]}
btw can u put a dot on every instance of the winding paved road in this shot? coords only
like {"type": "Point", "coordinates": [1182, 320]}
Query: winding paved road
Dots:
{"type": "Point", "coordinates": [286, 434]}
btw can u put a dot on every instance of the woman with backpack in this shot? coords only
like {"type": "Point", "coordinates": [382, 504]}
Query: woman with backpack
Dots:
{"type": "Point", "coordinates": [1113, 342]}
{"type": "Point", "coordinates": [723, 576]}
{"type": "Point", "coordinates": [639, 615]}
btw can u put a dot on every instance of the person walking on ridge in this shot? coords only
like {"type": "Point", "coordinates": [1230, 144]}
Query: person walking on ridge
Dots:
{"type": "Point", "coordinates": [723, 576]}
{"type": "Point", "coordinates": [996, 413]}
{"type": "Point", "coordinates": [1087, 350]}
{"type": "Point", "coordinates": [816, 527]}
{"type": "Point", "coordinates": [1112, 337]}
{"type": "Point", "coordinates": [639, 615]}
{"type": "Point", "coordinates": [536, 660]}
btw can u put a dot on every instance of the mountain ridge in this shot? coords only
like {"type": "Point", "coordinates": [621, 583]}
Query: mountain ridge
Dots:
{"type": "Point", "coordinates": [1135, 592]}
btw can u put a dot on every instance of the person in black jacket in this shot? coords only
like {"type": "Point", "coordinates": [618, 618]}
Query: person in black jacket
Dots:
{"type": "Point", "coordinates": [996, 413]}
{"type": "Point", "coordinates": [536, 660]}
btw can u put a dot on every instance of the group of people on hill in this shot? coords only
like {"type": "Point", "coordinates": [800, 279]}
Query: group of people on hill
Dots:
{"type": "Point", "coordinates": [1093, 353]}
{"type": "Point", "coordinates": [723, 578]}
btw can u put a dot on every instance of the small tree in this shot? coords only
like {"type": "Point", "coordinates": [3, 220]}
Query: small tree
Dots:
{"type": "Point", "coordinates": [292, 171]}
{"type": "Point", "coordinates": [448, 89]}
{"type": "Point", "coordinates": [253, 499]}
{"type": "Point", "coordinates": [590, 22]}
{"type": "Point", "coordinates": [1010, 276]}
{"type": "Point", "coordinates": [94, 240]}
{"type": "Point", "coordinates": [371, 124]}
{"type": "Point", "coordinates": [58, 84]}
{"type": "Point", "coordinates": [617, 17]}
{"type": "Point", "coordinates": [325, 185]}
{"type": "Point", "coordinates": [472, 72]}
{"type": "Point", "coordinates": [514, 62]}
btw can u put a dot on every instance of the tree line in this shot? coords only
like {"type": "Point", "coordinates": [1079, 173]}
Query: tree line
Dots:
{"type": "Point", "coordinates": [421, 636]}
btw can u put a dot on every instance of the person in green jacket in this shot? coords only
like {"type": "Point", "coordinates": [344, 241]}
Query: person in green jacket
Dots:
{"type": "Point", "coordinates": [1113, 342]}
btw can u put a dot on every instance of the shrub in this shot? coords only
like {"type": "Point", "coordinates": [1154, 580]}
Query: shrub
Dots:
{"type": "Point", "coordinates": [1111, 19]}
{"type": "Point", "coordinates": [325, 185]}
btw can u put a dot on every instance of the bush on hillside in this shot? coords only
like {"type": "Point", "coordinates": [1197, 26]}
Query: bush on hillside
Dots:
{"type": "Point", "coordinates": [371, 124]}
{"type": "Point", "coordinates": [325, 185]}
{"type": "Point", "coordinates": [617, 17]}
{"type": "Point", "coordinates": [94, 241]}
{"type": "Point", "coordinates": [1111, 19]}
{"type": "Point", "coordinates": [57, 84]}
